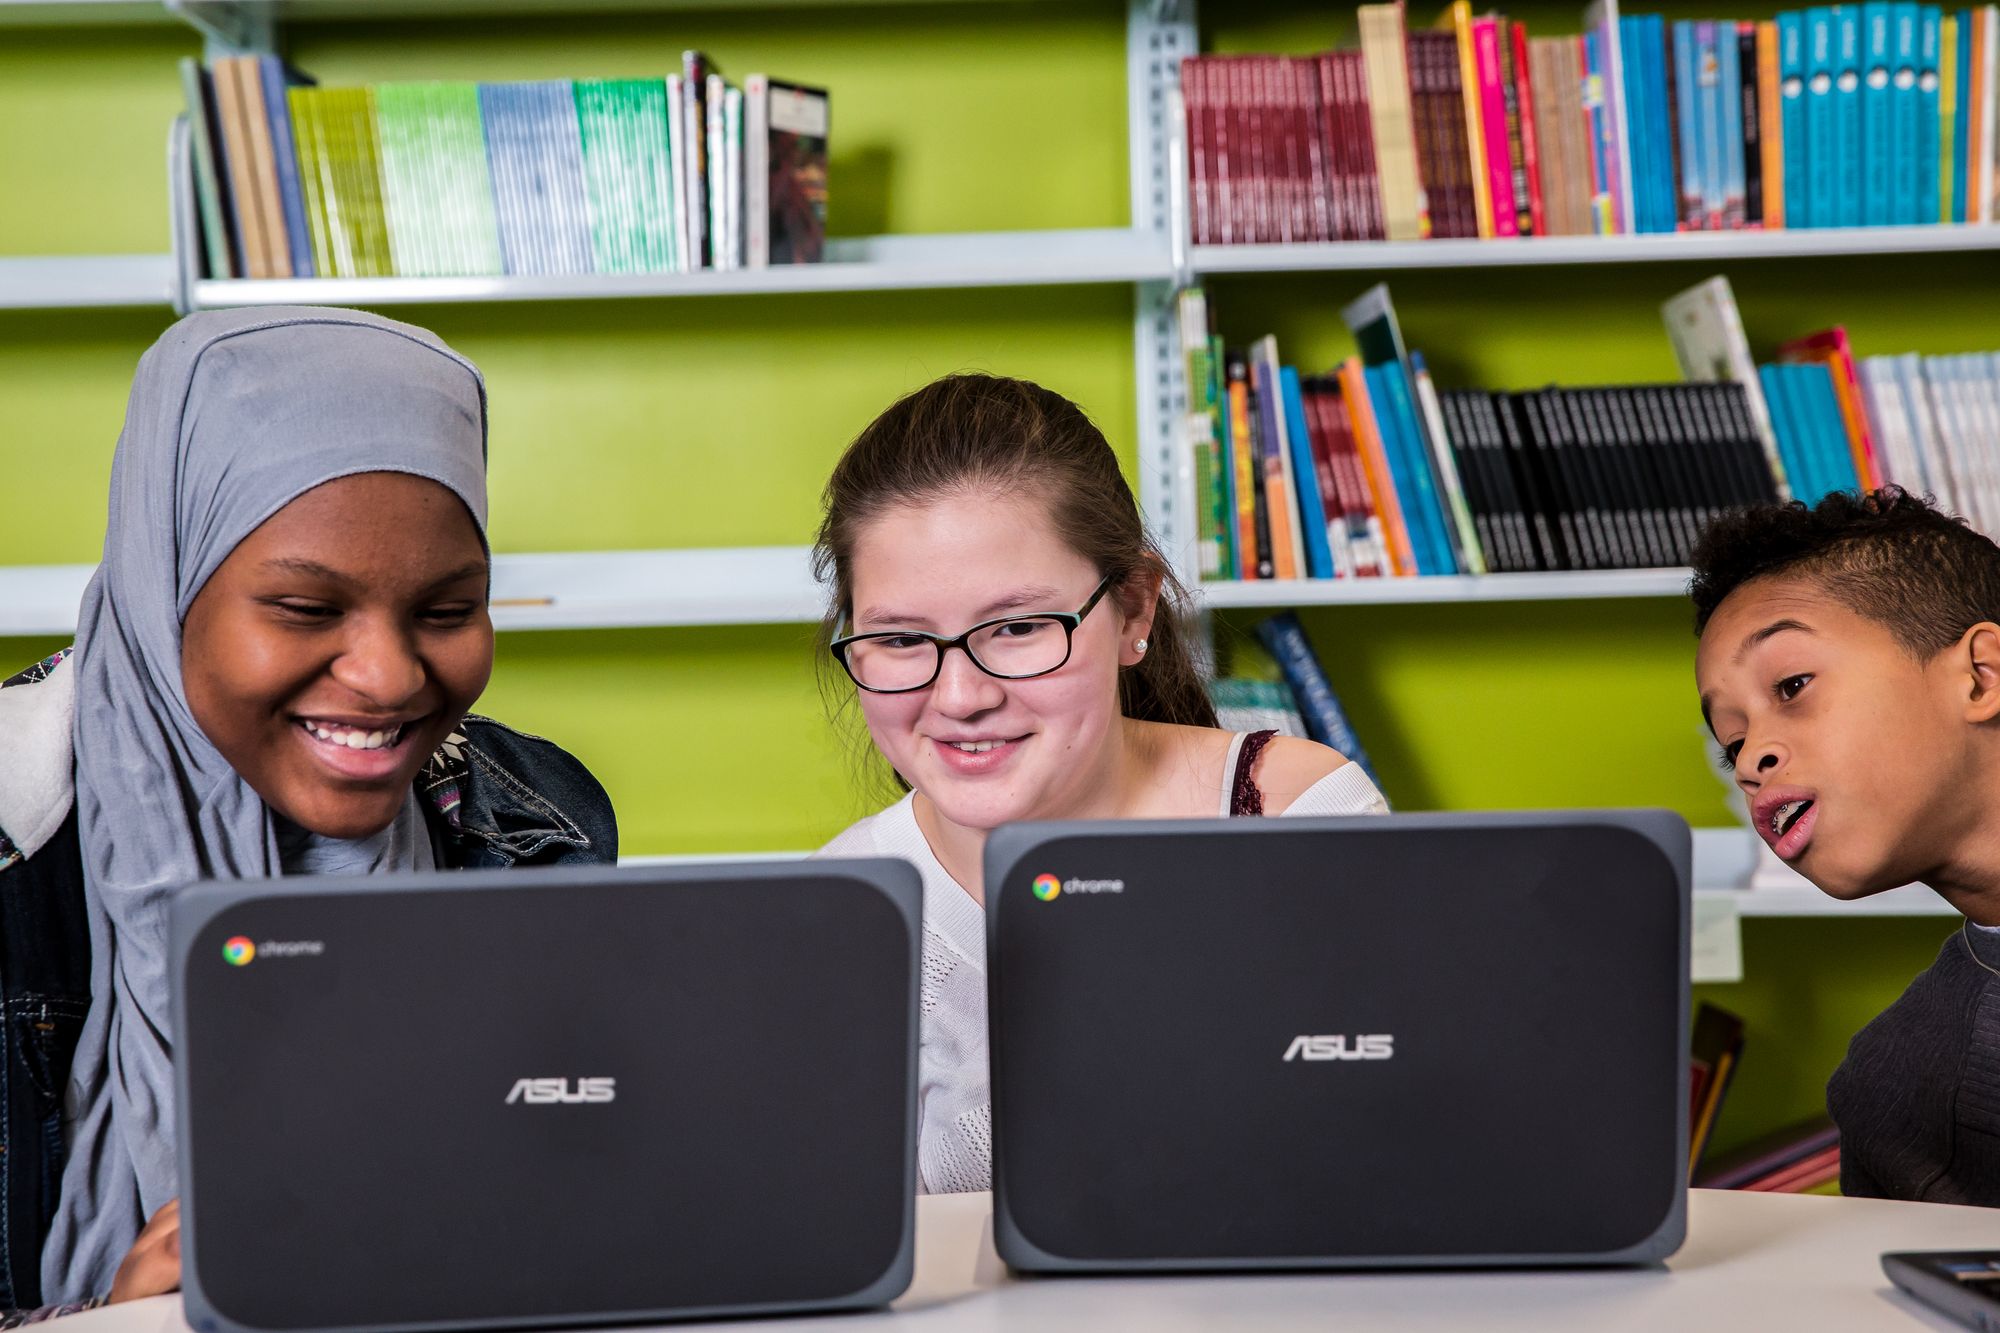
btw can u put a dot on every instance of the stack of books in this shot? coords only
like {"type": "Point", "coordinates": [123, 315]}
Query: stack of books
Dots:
{"type": "Point", "coordinates": [1797, 1159]}
{"type": "Point", "coordinates": [558, 176]}
{"type": "Point", "coordinates": [1371, 471]}
{"type": "Point", "coordinates": [1848, 115]}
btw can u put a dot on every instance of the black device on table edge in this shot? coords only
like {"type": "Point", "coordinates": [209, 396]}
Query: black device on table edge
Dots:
{"type": "Point", "coordinates": [1964, 1284]}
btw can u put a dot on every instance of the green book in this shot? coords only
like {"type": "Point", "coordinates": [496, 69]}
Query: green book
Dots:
{"type": "Point", "coordinates": [357, 229]}
{"type": "Point", "coordinates": [309, 139]}
{"type": "Point", "coordinates": [465, 180]}
{"type": "Point", "coordinates": [409, 199]}
{"type": "Point", "coordinates": [207, 178]}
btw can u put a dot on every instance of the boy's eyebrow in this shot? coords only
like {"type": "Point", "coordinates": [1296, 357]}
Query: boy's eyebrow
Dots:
{"type": "Point", "coordinates": [1776, 627]}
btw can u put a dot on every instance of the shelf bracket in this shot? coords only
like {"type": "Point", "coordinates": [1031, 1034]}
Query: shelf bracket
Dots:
{"type": "Point", "coordinates": [229, 27]}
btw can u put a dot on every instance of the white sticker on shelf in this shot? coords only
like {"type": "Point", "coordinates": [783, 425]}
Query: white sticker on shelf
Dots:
{"type": "Point", "coordinates": [1718, 938]}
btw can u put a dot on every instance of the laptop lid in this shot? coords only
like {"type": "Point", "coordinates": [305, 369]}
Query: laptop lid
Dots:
{"type": "Point", "coordinates": [531, 1097]}
{"type": "Point", "coordinates": [1415, 1040]}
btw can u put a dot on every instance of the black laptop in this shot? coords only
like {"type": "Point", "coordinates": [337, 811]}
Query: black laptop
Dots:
{"type": "Point", "coordinates": [1420, 1040]}
{"type": "Point", "coordinates": [542, 1097]}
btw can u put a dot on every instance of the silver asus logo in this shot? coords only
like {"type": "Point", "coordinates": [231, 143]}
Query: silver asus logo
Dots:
{"type": "Point", "coordinates": [554, 1091]}
{"type": "Point", "coordinates": [1379, 1046]}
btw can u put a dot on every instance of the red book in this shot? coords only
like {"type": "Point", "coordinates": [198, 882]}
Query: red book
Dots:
{"type": "Point", "coordinates": [1231, 164]}
{"type": "Point", "coordinates": [1364, 527]}
{"type": "Point", "coordinates": [1194, 113]}
{"type": "Point", "coordinates": [1521, 122]}
{"type": "Point", "coordinates": [1332, 149]}
{"type": "Point", "coordinates": [1493, 126]}
{"type": "Point", "coordinates": [1361, 126]}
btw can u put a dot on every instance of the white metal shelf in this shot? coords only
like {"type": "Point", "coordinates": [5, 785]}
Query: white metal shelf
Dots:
{"type": "Point", "coordinates": [54, 282]}
{"type": "Point", "coordinates": [864, 264]}
{"type": "Point", "coordinates": [750, 585]}
{"type": "Point", "coordinates": [1677, 247]}
{"type": "Point", "coordinates": [1579, 585]}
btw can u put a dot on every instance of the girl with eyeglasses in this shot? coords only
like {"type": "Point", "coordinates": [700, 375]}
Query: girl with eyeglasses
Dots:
{"type": "Point", "coordinates": [1019, 650]}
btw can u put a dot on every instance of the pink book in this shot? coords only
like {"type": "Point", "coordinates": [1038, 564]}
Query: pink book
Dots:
{"type": "Point", "coordinates": [1493, 121]}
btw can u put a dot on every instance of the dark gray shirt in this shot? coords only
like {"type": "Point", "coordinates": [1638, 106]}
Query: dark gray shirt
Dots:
{"type": "Point", "coordinates": [1917, 1099]}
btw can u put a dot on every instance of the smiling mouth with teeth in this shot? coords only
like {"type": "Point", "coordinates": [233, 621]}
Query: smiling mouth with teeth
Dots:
{"type": "Point", "coordinates": [352, 737]}
{"type": "Point", "coordinates": [975, 747]}
{"type": "Point", "coordinates": [1787, 815]}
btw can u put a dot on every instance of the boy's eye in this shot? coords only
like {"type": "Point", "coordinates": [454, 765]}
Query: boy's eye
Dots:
{"type": "Point", "coordinates": [1727, 759]}
{"type": "Point", "coordinates": [1788, 688]}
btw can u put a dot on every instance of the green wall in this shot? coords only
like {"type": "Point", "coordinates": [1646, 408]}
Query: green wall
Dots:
{"type": "Point", "coordinates": [714, 422]}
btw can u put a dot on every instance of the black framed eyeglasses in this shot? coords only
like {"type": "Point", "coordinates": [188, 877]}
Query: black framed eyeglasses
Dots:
{"type": "Point", "coordinates": [1022, 647]}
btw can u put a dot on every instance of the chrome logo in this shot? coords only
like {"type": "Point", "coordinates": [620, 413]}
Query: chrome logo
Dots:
{"type": "Point", "coordinates": [1046, 887]}
{"type": "Point", "coordinates": [238, 951]}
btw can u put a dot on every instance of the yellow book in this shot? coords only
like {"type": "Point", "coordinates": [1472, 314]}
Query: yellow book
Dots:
{"type": "Point", "coordinates": [1771, 126]}
{"type": "Point", "coordinates": [1241, 443]}
{"type": "Point", "coordinates": [1947, 114]}
{"type": "Point", "coordinates": [1457, 20]}
{"type": "Point", "coordinates": [1405, 212]}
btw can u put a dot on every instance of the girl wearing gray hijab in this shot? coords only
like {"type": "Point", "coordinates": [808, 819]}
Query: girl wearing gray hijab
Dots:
{"type": "Point", "coordinates": [271, 675]}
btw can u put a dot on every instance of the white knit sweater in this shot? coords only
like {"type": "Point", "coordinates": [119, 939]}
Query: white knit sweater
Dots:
{"type": "Point", "coordinates": [955, 1115]}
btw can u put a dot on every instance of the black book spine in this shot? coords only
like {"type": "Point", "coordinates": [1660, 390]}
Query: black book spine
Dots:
{"type": "Point", "coordinates": [1592, 410]}
{"type": "Point", "coordinates": [1520, 506]}
{"type": "Point", "coordinates": [1759, 486]}
{"type": "Point", "coordinates": [1531, 480]}
{"type": "Point", "coordinates": [1572, 464]}
{"type": "Point", "coordinates": [1471, 480]}
{"type": "Point", "coordinates": [1669, 461]}
{"type": "Point", "coordinates": [1649, 500]}
{"type": "Point", "coordinates": [1546, 444]}
{"type": "Point", "coordinates": [1753, 129]}
{"type": "Point", "coordinates": [1718, 493]}
{"type": "Point", "coordinates": [1259, 506]}
{"type": "Point", "coordinates": [1489, 452]}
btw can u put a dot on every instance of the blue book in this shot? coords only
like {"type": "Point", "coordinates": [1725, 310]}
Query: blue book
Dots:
{"type": "Point", "coordinates": [1305, 477]}
{"type": "Point", "coordinates": [1961, 116]}
{"type": "Point", "coordinates": [1635, 123]}
{"type": "Point", "coordinates": [535, 149]}
{"type": "Point", "coordinates": [1930, 130]}
{"type": "Point", "coordinates": [1395, 447]}
{"type": "Point", "coordinates": [1847, 187]}
{"type": "Point", "coordinates": [1661, 112]}
{"type": "Point", "coordinates": [1687, 103]}
{"type": "Point", "coordinates": [1839, 453]}
{"type": "Point", "coordinates": [1319, 707]}
{"type": "Point", "coordinates": [1878, 49]}
{"type": "Point", "coordinates": [1708, 78]}
{"type": "Point", "coordinates": [1784, 425]}
{"type": "Point", "coordinates": [1792, 118]}
{"type": "Point", "coordinates": [1821, 147]}
{"type": "Point", "coordinates": [1423, 467]}
{"type": "Point", "coordinates": [271, 72]}
{"type": "Point", "coordinates": [1905, 137]}
{"type": "Point", "coordinates": [1735, 183]}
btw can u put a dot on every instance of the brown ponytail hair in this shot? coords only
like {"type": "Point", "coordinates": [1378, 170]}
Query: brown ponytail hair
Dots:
{"type": "Point", "coordinates": [967, 434]}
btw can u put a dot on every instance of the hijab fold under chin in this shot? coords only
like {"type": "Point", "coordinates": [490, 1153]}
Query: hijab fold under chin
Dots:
{"type": "Point", "coordinates": [233, 415]}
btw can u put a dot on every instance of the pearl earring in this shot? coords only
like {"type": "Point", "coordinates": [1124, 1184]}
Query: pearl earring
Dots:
{"type": "Point", "coordinates": [1139, 646]}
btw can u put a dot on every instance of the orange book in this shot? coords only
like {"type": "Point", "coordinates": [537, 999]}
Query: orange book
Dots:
{"type": "Point", "coordinates": [1457, 20]}
{"type": "Point", "coordinates": [1975, 149]}
{"type": "Point", "coordinates": [244, 199]}
{"type": "Point", "coordinates": [264, 167]}
{"type": "Point", "coordinates": [1245, 471]}
{"type": "Point", "coordinates": [1375, 467]}
{"type": "Point", "coordinates": [1831, 349]}
{"type": "Point", "coordinates": [1770, 126]}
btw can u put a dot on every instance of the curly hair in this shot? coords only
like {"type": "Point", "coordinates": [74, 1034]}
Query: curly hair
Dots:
{"type": "Point", "coordinates": [1898, 559]}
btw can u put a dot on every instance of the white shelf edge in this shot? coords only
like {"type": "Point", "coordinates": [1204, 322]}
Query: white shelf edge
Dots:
{"type": "Point", "coordinates": [1111, 255]}
{"type": "Point", "coordinates": [753, 585]}
{"type": "Point", "coordinates": [75, 282]}
{"type": "Point", "coordinates": [1679, 247]}
{"type": "Point", "coordinates": [1561, 586]}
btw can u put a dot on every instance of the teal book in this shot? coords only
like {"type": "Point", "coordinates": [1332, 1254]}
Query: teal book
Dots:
{"type": "Point", "coordinates": [1847, 138]}
{"type": "Point", "coordinates": [1792, 118]}
{"type": "Point", "coordinates": [1305, 478]}
{"type": "Point", "coordinates": [1822, 148]}
{"type": "Point", "coordinates": [1930, 130]}
{"type": "Point", "coordinates": [1906, 143]}
{"type": "Point", "coordinates": [1962, 118]}
{"type": "Point", "coordinates": [1878, 50]}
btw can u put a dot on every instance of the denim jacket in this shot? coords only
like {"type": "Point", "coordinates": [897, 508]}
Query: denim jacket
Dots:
{"type": "Point", "coordinates": [493, 797]}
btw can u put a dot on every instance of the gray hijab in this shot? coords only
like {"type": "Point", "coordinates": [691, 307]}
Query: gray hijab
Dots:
{"type": "Point", "coordinates": [233, 415]}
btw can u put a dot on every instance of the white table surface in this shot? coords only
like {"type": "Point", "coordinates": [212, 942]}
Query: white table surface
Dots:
{"type": "Point", "coordinates": [1751, 1261]}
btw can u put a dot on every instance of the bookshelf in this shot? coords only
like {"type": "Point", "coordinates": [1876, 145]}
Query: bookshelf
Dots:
{"type": "Point", "coordinates": [1583, 585]}
{"type": "Point", "coordinates": [75, 282]}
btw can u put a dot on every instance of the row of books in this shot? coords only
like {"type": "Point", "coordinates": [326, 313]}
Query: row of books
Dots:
{"type": "Point", "coordinates": [1925, 423]}
{"type": "Point", "coordinates": [1849, 115]}
{"type": "Point", "coordinates": [1796, 1159]}
{"type": "Point", "coordinates": [1284, 688]}
{"type": "Point", "coordinates": [1372, 471]}
{"type": "Point", "coordinates": [463, 179]}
